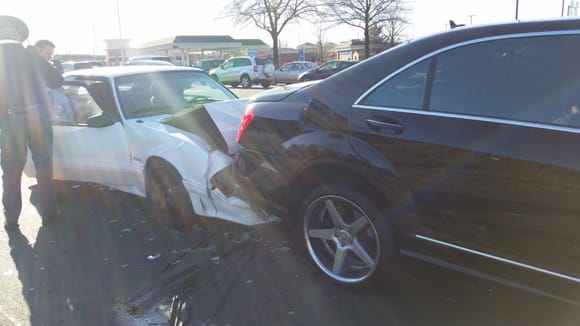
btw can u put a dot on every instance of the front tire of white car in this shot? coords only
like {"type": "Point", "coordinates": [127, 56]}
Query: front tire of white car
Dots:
{"type": "Point", "coordinates": [167, 197]}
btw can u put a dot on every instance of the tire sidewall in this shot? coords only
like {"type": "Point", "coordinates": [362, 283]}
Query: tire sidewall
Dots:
{"type": "Point", "coordinates": [245, 81]}
{"type": "Point", "coordinates": [376, 214]}
{"type": "Point", "coordinates": [165, 178]}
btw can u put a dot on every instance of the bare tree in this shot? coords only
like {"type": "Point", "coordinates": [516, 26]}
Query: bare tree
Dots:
{"type": "Point", "coordinates": [363, 14]}
{"type": "Point", "coordinates": [394, 27]}
{"type": "Point", "coordinates": [269, 15]}
{"type": "Point", "coordinates": [320, 29]}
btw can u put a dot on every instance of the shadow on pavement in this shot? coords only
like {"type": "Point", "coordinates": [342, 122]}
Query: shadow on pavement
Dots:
{"type": "Point", "coordinates": [103, 248]}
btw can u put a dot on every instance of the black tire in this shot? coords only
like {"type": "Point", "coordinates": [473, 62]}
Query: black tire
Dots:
{"type": "Point", "coordinates": [234, 85]}
{"type": "Point", "coordinates": [338, 219]}
{"type": "Point", "coordinates": [167, 197]}
{"type": "Point", "coordinates": [266, 85]}
{"type": "Point", "coordinates": [245, 81]}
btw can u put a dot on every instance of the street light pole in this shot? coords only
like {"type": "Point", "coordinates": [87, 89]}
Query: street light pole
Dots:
{"type": "Point", "coordinates": [517, 5]}
{"type": "Point", "coordinates": [562, 8]}
{"type": "Point", "coordinates": [121, 43]}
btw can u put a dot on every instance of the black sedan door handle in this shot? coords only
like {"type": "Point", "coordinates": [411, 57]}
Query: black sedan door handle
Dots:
{"type": "Point", "coordinates": [377, 124]}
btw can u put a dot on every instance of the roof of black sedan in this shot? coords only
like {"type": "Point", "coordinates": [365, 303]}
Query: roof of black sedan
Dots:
{"type": "Point", "coordinates": [348, 85]}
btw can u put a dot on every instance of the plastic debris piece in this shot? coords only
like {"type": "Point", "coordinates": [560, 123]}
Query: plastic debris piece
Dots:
{"type": "Point", "coordinates": [151, 239]}
{"type": "Point", "coordinates": [126, 230]}
{"type": "Point", "coordinates": [216, 260]}
{"type": "Point", "coordinates": [176, 262]}
{"type": "Point", "coordinates": [8, 272]}
{"type": "Point", "coordinates": [31, 289]}
{"type": "Point", "coordinates": [112, 221]}
{"type": "Point", "coordinates": [153, 257]}
{"type": "Point", "coordinates": [75, 186]}
{"type": "Point", "coordinates": [249, 281]}
{"type": "Point", "coordinates": [242, 238]}
{"type": "Point", "coordinates": [42, 268]}
{"type": "Point", "coordinates": [125, 265]}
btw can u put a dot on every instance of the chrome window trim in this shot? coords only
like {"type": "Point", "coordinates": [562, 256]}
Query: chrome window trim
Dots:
{"type": "Point", "coordinates": [539, 125]}
{"type": "Point", "coordinates": [457, 45]}
{"type": "Point", "coordinates": [503, 260]}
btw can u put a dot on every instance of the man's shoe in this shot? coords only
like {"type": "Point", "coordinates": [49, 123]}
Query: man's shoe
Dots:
{"type": "Point", "coordinates": [11, 226]}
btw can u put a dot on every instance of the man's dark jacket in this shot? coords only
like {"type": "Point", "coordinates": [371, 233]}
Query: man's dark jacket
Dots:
{"type": "Point", "coordinates": [24, 77]}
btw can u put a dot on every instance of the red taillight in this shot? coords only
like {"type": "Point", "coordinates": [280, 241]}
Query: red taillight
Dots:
{"type": "Point", "coordinates": [255, 68]}
{"type": "Point", "coordinates": [246, 120]}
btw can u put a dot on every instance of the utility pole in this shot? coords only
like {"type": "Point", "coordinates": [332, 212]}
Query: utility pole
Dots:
{"type": "Point", "coordinates": [471, 19]}
{"type": "Point", "coordinates": [517, 5]}
{"type": "Point", "coordinates": [562, 8]}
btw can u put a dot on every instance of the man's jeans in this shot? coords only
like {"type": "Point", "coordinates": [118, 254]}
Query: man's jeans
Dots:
{"type": "Point", "coordinates": [20, 131]}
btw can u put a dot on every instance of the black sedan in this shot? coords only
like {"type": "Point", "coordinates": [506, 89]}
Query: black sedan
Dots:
{"type": "Point", "coordinates": [328, 69]}
{"type": "Point", "coordinates": [459, 149]}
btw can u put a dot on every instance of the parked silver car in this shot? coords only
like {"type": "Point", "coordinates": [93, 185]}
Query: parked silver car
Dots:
{"type": "Point", "coordinates": [289, 72]}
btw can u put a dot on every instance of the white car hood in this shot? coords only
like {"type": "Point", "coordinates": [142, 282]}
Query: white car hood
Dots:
{"type": "Point", "coordinates": [216, 122]}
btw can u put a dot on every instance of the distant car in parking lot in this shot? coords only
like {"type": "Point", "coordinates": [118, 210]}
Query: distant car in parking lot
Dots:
{"type": "Point", "coordinates": [151, 57]}
{"type": "Point", "coordinates": [148, 62]}
{"type": "Point", "coordinates": [166, 133]}
{"type": "Point", "coordinates": [328, 69]}
{"type": "Point", "coordinates": [208, 64]}
{"type": "Point", "coordinates": [75, 65]}
{"type": "Point", "coordinates": [289, 72]}
{"type": "Point", "coordinates": [459, 149]}
{"type": "Point", "coordinates": [245, 71]}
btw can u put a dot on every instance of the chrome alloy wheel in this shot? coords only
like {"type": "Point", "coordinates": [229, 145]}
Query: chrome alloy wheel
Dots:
{"type": "Point", "coordinates": [341, 239]}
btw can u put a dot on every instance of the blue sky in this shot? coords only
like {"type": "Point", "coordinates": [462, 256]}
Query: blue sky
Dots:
{"type": "Point", "coordinates": [80, 26]}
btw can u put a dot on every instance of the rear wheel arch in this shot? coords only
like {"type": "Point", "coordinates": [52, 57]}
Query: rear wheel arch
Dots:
{"type": "Point", "coordinates": [325, 173]}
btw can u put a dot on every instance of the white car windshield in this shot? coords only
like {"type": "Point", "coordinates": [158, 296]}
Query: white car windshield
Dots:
{"type": "Point", "coordinates": [167, 92]}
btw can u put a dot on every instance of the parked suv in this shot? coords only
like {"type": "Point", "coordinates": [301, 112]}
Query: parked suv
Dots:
{"type": "Point", "coordinates": [458, 149]}
{"type": "Point", "coordinates": [245, 71]}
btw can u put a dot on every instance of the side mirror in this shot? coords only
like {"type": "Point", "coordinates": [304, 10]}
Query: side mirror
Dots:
{"type": "Point", "coordinates": [100, 120]}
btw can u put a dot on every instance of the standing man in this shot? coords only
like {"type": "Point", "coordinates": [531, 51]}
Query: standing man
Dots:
{"type": "Point", "coordinates": [45, 49]}
{"type": "Point", "coordinates": [24, 120]}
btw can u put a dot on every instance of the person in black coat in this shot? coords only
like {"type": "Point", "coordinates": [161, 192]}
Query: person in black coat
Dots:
{"type": "Point", "coordinates": [24, 120]}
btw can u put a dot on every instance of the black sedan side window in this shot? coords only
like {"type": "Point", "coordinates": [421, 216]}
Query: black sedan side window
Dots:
{"type": "Point", "coordinates": [533, 79]}
{"type": "Point", "coordinates": [405, 90]}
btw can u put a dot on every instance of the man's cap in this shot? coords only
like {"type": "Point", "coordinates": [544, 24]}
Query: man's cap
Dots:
{"type": "Point", "coordinates": [17, 23]}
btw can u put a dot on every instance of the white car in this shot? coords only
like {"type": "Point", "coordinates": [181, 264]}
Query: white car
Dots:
{"type": "Point", "coordinates": [164, 133]}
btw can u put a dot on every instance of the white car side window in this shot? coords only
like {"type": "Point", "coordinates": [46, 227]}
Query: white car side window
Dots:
{"type": "Point", "coordinates": [77, 105]}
